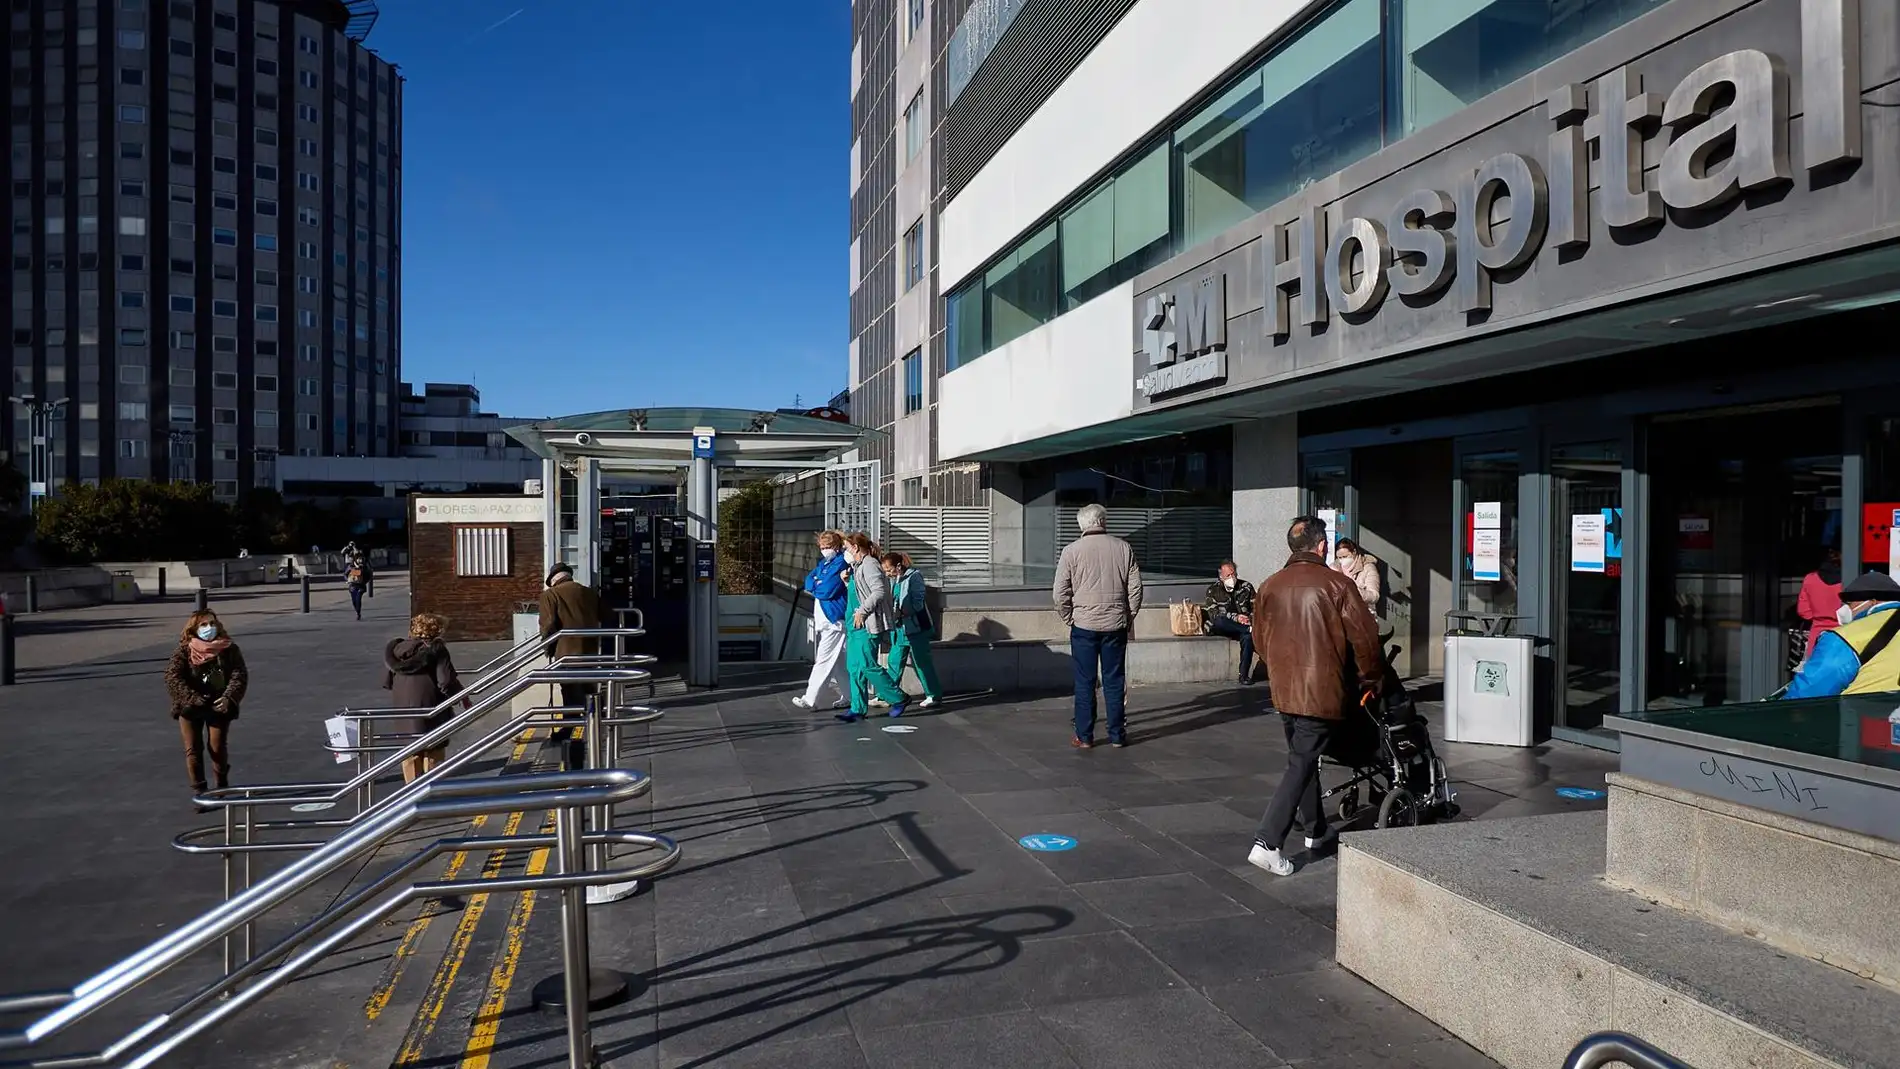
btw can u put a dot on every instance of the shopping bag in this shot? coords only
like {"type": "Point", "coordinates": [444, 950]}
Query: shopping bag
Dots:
{"type": "Point", "coordinates": [344, 734]}
{"type": "Point", "coordinates": [1184, 618]}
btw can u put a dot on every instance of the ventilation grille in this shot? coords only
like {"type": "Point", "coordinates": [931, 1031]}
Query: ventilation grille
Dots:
{"type": "Point", "coordinates": [937, 539]}
{"type": "Point", "coordinates": [1191, 540]}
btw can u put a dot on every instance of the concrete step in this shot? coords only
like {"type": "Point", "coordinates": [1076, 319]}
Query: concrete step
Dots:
{"type": "Point", "coordinates": [1505, 934]}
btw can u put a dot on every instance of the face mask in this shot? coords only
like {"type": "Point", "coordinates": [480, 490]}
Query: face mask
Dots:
{"type": "Point", "coordinates": [1845, 614]}
{"type": "Point", "coordinates": [827, 553]}
{"type": "Point", "coordinates": [1228, 581]}
{"type": "Point", "coordinates": [207, 632]}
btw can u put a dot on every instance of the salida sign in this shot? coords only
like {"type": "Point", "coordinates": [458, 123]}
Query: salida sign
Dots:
{"type": "Point", "coordinates": [1727, 130]}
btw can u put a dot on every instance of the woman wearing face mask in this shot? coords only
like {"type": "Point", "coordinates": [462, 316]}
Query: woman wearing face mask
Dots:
{"type": "Point", "coordinates": [914, 630]}
{"type": "Point", "coordinates": [206, 680]}
{"type": "Point", "coordinates": [1363, 569]}
{"type": "Point", "coordinates": [868, 602]}
{"type": "Point", "coordinates": [826, 584]}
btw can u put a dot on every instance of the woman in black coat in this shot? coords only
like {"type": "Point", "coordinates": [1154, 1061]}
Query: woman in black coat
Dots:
{"type": "Point", "coordinates": [418, 674]}
{"type": "Point", "coordinates": [205, 680]}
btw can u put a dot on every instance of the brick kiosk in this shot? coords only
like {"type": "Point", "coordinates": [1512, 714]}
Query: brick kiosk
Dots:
{"type": "Point", "coordinates": [473, 560]}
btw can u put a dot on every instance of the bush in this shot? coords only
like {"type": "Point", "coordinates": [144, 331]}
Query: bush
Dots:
{"type": "Point", "coordinates": [745, 541]}
{"type": "Point", "coordinates": [129, 519]}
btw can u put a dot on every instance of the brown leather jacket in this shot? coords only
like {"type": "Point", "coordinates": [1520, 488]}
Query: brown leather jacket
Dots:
{"type": "Point", "coordinates": [570, 606]}
{"type": "Point", "coordinates": [1320, 644]}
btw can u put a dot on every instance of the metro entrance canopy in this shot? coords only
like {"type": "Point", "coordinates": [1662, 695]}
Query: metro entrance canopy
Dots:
{"type": "Point", "coordinates": [703, 443]}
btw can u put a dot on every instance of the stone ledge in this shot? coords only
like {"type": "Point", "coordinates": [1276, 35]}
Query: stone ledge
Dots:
{"type": "Point", "coordinates": [1731, 864]}
{"type": "Point", "coordinates": [1485, 927]}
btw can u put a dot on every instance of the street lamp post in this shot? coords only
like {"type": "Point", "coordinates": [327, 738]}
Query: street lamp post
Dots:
{"type": "Point", "coordinates": [40, 418]}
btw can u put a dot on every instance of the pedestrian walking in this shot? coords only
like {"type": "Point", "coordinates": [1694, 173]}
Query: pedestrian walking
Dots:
{"type": "Point", "coordinates": [1819, 603]}
{"type": "Point", "coordinates": [1098, 595]}
{"type": "Point", "coordinates": [418, 673]}
{"type": "Point", "coordinates": [868, 601]}
{"type": "Point", "coordinates": [826, 583]}
{"type": "Point", "coordinates": [1228, 611]}
{"type": "Point", "coordinates": [1322, 651]}
{"type": "Point", "coordinates": [357, 576]}
{"type": "Point", "coordinates": [567, 605]}
{"type": "Point", "coordinates": [206, 680]}
{"type": "Point", "coordinates": [1859, 656]}
{"type": "Point", "coordinates": [914, 630]}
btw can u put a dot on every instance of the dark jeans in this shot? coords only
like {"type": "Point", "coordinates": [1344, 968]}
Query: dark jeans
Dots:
{"type": "Point", "coordinates": [1299, 788]}
{"type": "Point", "coordinates": [200, 732]}
{"type": "Point", "coordinates": [574, 754]}
{"type": "Point", "coordinates": [1110, 649]}
{"type": "Point", "coordinates": [356, 599]}
{"type": "Point", "coordinates": [1236, 629]}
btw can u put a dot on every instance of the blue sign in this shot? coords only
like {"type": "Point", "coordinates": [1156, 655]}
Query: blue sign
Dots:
{"type": "Point", "coordinates": [702, 447]}
{"type": "Point", "coordinates": [1612, 534]}
{"type": "Point", "coordinates": [1045, 843]}
{"type": "Point", "coordinates": [1579, 794]}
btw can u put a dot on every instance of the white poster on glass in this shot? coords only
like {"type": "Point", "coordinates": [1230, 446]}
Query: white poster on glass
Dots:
{"type": "Point", "coordinates": [1330, 517]}
{"type": "Point", "coordinates": [1487, 515]}
{"type": "Point", "coordinates": [1587, 542]}
{"type": "Point", "coordinates": [1487, 555]}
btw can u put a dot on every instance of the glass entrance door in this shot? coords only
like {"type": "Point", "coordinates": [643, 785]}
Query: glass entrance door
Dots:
{"type": "Point", "coordinates": [1747, 505]}
{"type": "Point", "coordinates": [1588, 482]}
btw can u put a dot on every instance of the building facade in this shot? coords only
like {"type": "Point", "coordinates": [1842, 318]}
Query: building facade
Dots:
{"type": "Point", "coordinates": [1573, 312]}
{"type": "Point", "coordinates": [206, 205]}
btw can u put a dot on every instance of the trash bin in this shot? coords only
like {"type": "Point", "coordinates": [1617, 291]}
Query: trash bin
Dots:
{"type": "Point", "coordinates": [124, 587]}
{"type": "Point", "coordinates": [1488, 692]}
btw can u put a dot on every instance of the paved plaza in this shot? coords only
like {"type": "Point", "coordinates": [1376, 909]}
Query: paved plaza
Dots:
{"type": "Point", "coordinates": [849, 896]}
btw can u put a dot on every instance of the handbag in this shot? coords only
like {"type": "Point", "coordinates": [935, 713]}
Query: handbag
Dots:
{"type": "Point", "coordinates": [1185, 618]}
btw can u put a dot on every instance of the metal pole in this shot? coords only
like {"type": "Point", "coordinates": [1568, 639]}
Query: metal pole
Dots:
{"type": "Point", "coordinates": [369, 584]}
{"type": "Point", "coordinates": [6, 650]}
{"type": "Point", "coordinates": [161, 583]}
{"type": "Point", "coordinates": [32, 593]}
{"type": "Point", "coordinates": [574, 961]}
{"type": "Point", "coordinates": [596, 758]}
{"type": "Point", "coordinates": [224, 575]}
{"type": "Point", "coordinates": [306, 592]}
{"type": "Point", "coordinates": [204, 599]}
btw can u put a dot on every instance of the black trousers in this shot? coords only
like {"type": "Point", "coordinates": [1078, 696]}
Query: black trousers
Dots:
{"type": "Point", "coordinates": [574, 751]}
{"type": "Point", "coordinates": [1298, 793]}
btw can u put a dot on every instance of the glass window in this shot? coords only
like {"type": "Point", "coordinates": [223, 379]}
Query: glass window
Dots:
{"type": "Point", "coordinates": [916, 16]}
{"type": "Point", "coordinates": [224, 380]}
{"type": "Point", "coordinates": [1314, 106]}
{"type": "Point", "coordinates": [1488, 576]}
{"type": "Point", "coordinates": [914, 128]}
{"type": "Point", "coordinates": [132, 409]}
{"type": "Point", "coordinates": [963, 325]}
{"type": "Point", "coordinates": [1453, 52]}
{"type": "Point", "coordinates": [913, 255]}
{"type": "Point", "coordinates": [914, 381]}
{"type": "Point", "coordinates": [1118, 231]}
{"type": "Point", "coordinates": [1023, 290]}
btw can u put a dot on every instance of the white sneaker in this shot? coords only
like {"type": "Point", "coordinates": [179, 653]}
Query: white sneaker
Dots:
{"type": "Point", "coordinates": [879, 703]}
{"type": "Point", "coordinates": [1270, 860]}
{"type": "Point", "coordinates": [926, 703]}
{"type": "Point", "coordinates": [841, 703]}
{"type": "Point", "coordinates": [800, 702]}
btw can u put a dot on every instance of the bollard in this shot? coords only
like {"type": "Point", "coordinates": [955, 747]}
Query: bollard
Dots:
{"type": "Point", "coordinates": [161, 587]}
{"type": "Point", "coordinates": [203, 600]}
{"type": "Point", "coordinates": [32, 594]}
{"type": "Point", "coordinates": [369, 584]}
{"type": "Point", "coordinates": [224, 575]}
{"type": "Point", "coordinates": [306, 593]}
{"type": "Point", "coordinates": [6, 650]}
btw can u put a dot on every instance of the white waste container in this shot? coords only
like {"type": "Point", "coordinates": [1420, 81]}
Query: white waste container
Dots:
{"type": "Point", "coordinates": [1488, 689]}
{"type": "Point", "coordinates": [124, 587]}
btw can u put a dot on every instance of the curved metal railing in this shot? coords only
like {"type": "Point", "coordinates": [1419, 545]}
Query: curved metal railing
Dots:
{"type": "Point", "coordinates": [1614, 1048]}
{"type": "Point", "coordinates": [564, 793]}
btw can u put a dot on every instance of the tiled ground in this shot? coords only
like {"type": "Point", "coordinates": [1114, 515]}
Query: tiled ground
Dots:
{"type": "Point", "coordinates": [854, 897]}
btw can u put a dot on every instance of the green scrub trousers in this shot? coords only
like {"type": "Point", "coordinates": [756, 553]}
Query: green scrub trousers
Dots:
{"type": "Point", "coordinates": [915, 649]}
{"type": "Point", "coordinates": [861, 661]}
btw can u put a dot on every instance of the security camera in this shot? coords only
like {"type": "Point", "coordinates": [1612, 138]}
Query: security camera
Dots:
{"type": "Point", "coordinates": [583, 438]}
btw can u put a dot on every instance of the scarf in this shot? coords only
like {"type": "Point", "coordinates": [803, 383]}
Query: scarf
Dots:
{"type": "Point", "coordinates": [203, 652]}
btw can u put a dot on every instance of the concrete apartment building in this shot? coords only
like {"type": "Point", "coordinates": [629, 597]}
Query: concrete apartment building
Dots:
{"type": "Point", "coordinates": [206, 260]}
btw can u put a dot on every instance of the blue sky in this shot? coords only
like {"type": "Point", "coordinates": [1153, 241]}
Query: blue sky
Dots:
{"type": "Point", "coordinates": [624, 203]}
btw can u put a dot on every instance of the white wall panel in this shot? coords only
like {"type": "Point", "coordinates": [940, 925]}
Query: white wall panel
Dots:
{"type": "Point", "coordinates": [1076, 371]}
{"type": "Point", "coordinates": [1162, 54]}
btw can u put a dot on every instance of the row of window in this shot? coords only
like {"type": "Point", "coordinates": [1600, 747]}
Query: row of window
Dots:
{"type": "Point", "coordinates": [1364, 74]}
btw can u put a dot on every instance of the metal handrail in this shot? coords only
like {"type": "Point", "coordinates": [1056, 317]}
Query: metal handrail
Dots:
{"type": "Point", "coordinates": [1606, 1048]}
{"type": "Point", "coordinates": [566, 793]}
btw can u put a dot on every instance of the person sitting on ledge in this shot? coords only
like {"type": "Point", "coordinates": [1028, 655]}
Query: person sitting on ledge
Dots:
{"type": "Point", "coordinates": [1228, 611]}
{"type": "Point", "coordinates": [1860, 656]}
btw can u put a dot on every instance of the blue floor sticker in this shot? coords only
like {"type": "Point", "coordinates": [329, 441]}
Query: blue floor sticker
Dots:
{"type": "Point", "coordinates": [1581, 794]}
{"type": "Point", "coordinates": [1045, 842]}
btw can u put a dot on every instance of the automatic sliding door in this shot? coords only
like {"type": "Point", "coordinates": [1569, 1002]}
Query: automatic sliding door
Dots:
{"type": "Point", "coordinates": [1588, 482]}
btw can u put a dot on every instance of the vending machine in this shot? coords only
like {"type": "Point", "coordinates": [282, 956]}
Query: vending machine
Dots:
{"type": "Point", "coordinates": [646, 564]}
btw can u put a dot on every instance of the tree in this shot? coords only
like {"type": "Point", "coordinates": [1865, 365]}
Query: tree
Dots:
{"type": "Point", "coordinates": [129, 519]}
{"type": "Point", "coordinates": [745, 541]}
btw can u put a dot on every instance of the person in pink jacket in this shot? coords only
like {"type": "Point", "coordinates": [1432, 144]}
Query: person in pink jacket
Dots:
{"type": "Point", "coordinates": [1820, 600]}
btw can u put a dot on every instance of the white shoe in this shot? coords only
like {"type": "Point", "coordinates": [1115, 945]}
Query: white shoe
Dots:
{"type": "Point", "coordinates": [800, 702]}
{"type": "Point", "coordinates": [879, 703]}
{"type": "Point", "coordinates": [841, 703]}
{"type": "Point", "coordinates": [926, 703]}
{"type": "Point", "coordinates": [1270, 860]}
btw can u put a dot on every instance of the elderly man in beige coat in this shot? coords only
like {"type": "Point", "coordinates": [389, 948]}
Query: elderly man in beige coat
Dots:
{"type": "Point", "coordinates": [1098, 594]}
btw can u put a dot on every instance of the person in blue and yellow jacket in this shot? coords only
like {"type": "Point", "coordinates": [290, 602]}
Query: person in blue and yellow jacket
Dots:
{"type": "Point", "coordinates": [1860, 656]}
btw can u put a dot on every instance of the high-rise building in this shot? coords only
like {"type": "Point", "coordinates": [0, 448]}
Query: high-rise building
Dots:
{"type": "Point", "coordinates": [206, 206]}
